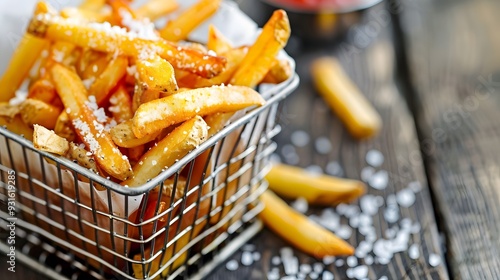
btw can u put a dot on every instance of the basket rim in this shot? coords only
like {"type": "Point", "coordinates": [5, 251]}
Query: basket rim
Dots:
{"type": "Point", "coordinates": [276, 93]}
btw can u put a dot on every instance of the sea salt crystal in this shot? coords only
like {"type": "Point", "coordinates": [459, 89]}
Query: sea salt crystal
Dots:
{"type": "Point", "coordinates": [291, 265]}
{"type": "Point", "coordinates": [232, 265]}
{"type": "Point", "coordinates": [318, 267]}
{"type": "Point", "coordinates": [369, 204]}
{"type": "Point", "coordinates": [391, 200]}
{"type": "Point", "coordinates": [344, 232]}
{"type": "Point", "coordinates": [351, 210]}
{"type": "Point", "coordinates": [434, 260]}
{"type": "Point", "coordinates": [339, 262]}
{"type": "Point", "coordinates": [276, 260]}
{"type": "Point", "coordinates": [352, 261]}
{"type": "Point", "coordinates": [366, 173]}
{"type": "Point", "coordinates": [323, 145]}
{"type": "Point", "coordinates": [246, 258]}
{"type": "Point", "coordinates": [405, 197]}
{"type": "Point", "coordinates": [256, 256]}
{"type": "Point", "coordinates": [314, 275]}
{"type": "Point", "coordinates": [333, 168]}
{"type": "Point", "coordinates": [369, 260]}
{"type": "Point", "coordinates": [272, 275]}
{"type": "Point", "coordinates": [415, 186]}
{"type": "Point", "coordinates": [383, 278]}
{"type": "Point", "coordinates": [374, 158]}
{"type": "Point", "coordinates": [360, 272]}
{"type": "Point", "coordinates": [288, 149]}
{"type": "Point", "coordinates": [379, 180]}
{"type": "Point", "coordinates": [381, 249]}
{"type": "Point", "coordinates": [414, 252]}
{"type": "Point", "coordinates": [286, 252]}
{"type": "Point", "coordinates": [299, 138]}
{"type": "Point", "coordinates": [327, 275]}
{"type": "Point", "coordinates": [383, 261]}
{"type": "Point", "coordinates": [415, 228]}
{"type": "Point", "coordinates": [391, 214]}
{"type": "Point", "coordinates": [248, 247]}
{"type": "Point", "coordinates": [328, 260]}
{"type": "Point", "coordinates": [400, 242]}
{"type": "Point", "coordinates": [314, 170]}
{"type": "Point", "coordinates": [305, 268]}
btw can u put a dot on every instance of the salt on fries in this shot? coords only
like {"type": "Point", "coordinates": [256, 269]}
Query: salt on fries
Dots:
{"type": "Point", "coordinates": [110, 92]}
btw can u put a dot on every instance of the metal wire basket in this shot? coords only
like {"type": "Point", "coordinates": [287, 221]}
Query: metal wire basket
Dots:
{"type": "Point", "coordinates": [70, 222]}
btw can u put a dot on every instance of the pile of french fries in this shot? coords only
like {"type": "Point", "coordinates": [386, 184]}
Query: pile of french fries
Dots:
{"type": "Point", "coordinates": [109, 90]}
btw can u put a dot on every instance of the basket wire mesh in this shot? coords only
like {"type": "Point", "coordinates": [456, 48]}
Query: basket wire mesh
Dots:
{"type": "Point", "coordinates": [73, 223]}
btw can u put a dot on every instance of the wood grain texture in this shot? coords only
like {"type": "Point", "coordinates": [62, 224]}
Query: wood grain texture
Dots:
{"type": "Point", "coordinates": [454, 62]}
{"type": "Point", "coordinates": [369, 58]}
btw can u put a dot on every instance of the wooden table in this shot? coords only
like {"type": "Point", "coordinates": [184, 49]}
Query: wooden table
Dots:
{"type": "Point", "coordinates": [431, 68]}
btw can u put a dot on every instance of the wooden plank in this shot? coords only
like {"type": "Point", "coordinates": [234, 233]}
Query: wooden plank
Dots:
{"type": "Point", "coordinates": [373, 69]}
{"type": "Point", "coordinates": [454, 65]}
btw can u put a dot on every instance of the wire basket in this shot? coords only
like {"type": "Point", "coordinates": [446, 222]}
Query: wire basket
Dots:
{"type": "Point", "coordinates": [70, 222]}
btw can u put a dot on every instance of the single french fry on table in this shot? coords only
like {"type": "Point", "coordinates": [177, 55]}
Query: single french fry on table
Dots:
{"type": "Point", "coordinates": [124, 43]}
{"type": "Point", "coordinates": [46, 140]}
{"type": "Point", "coordinates": [262, 53]}
{"type": "Point", "coordinates": [185, 138]}
{"type": "Point", "coordinates": [179, 28]}
{"type": "Point", "coordinates": [293, 182]}
{"type": "Point", "coordinates": [301, 232]}
{"type": "Point", "coordinates": [154, 9]}
{"type": "Point", "coordinates": [155, 115]}
{"type": "Point", "coordinates": [74, 97]}
{"type": "Point", "coordinates": [123, 135]}
{"type": "Point", "coordinates": [345, 99]}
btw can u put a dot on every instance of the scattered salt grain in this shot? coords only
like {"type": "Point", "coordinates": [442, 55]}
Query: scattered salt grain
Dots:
{"type": "Point", "coordinates": [415, 186]}
{"type": "Point", "coordinates": [286, 252]}
{"type": "Point", "coordinates": [248, 247]}
{"type": "Point", "coordinates": [288, 149]}
{"type": "Point", "coordinates": [381, 249]}
{"type": "Point", "coordinates": [256, 256]}
{"type": "Point", "coordinates": [383, 261]}
{"type": "Point", "coordinates": [318, 267]}
{"type": "Point", "coordinates": [291, 265]}
{"type": "Point", "coordinates": [414, 252]}
{"type": "Point", "coordinates": [352, 261]}
{"type": "Point", "coordinates": [366, 173]}
{"type": "Point", "coordinates": [434, 260]}
{"type": "Point", "coordinates": [232, 265]}
{"type": "Point", "coordinates": [391, 214]}
{"type": "Point", "coordinates": [323, 145]}
{"type": "Point", "coordinates": [369, 260]}
{"type": "Point", "coordinates": [305, 268]}
{"type": "Point", "coordinates": [276, 260]}
{"type": "Point", "coordinates": [327, 275]}
{"type": "Point", "coordinates": [275, 158]}
{"type": "Point", "coordinates": [292, 158]}
{"type": "Point", "coordinates": [333, 168]}
{"type": "Point", "coordinates": [360, 272]}
{"type": "Point", "coordinates": [351, 211]}
{"type": "Point", "coordinates": [328, 260]}
{"type": "Point", "coordinates": [339, 262]}
{"type": "Point", "coordinates": [246, 258]}
{"type": "Point", "coordinates": [272, 275]}
{"type": "Point", "coordinates": [379, 180]}
{"type": "Point", "coordinates": [415, 228]}
{"type": "Point", "coordinates": [374, 158]}
{"type": "Point", "coordinates": [391, 200]}
{"type": "Point", "coordinates": [314, 275]}
{"type": "Point", "coordinates": [383, 278]}
{"type": "Point", "coordinates": [369, 204]}
{"type": "Point", "coordinates": [405, 197]}
{"type": "Point", "coordinates": [344, 232]}
{"type": "Point", "coordinates": [314, 170]}
{"type": "Point", "coordinates": [299, 138]}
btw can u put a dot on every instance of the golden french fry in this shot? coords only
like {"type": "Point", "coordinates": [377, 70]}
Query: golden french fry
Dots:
{"type": "Point", "coordinates": [24, 57]}
{"type": "Point", "coordinates": [344, 98]}
{"type": "Point", "coordinates": [135, 153]}
{"type": "Point", "coordinates": [9, 111]}
{"type": "Point", "coordinates": [120, 42]}
{"type": "Point", "coordinates": [91, 65]}
{"type": "Point", "coordinates": [62, 52]}
{"type": "Point", "coordinates": [96, 138]}
{"type": "Point", "coordinates": [123, 135]}
{"type": "Point", "coordinates": [34, 111]}
{"type": "Point", "coordinates": [279, 72]}
{"type": "Point", "coordinates": [154, 9]}
{"type": "Point", "coordinates": [16, 125]}
{"type": "Point", "coordinates": [46, 140]}
{"type": "Point", "coordinates": [174, 146]}
{"type": "Point", "coordinates": [293, 182]}
{"type": "Point", "coordinates": [217, 42]}
{"type": "Point", "coordinates": [63, 127]}
{"type": "Point", "coordinates": [262, 53]}
{"type": "Point", "coordinates": [179, 28]}
{"type": "Point", "coordinates": [297, 229]}
{"type": "Point", "coordinates": [109, 78]}
{"type": "Point", "coordinates": [119, 10]}
{"type": "Point", "coordinates": [155, 115]}
{"type": "Point", "coordinates": [120, 105]}
{"type": "Point", "coordinates": [155, 77]}
{"type": "Point", "coordinates": [85, 14]}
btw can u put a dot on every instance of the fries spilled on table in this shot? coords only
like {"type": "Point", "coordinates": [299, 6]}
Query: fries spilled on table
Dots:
{"type": "Point", "coordinates": [125, 100]}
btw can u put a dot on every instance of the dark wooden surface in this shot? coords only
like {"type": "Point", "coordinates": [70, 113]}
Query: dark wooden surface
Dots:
{"type": "Point", "coordinates": [455, 70]}
{"type": "Point", "coordinates": [443, 86]}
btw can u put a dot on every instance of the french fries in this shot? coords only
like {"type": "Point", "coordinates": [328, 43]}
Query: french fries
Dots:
{"type": "Point", "coordinates": [109, 78]}
{"type": "Point", "coordinates": [123, 136]}
{"type": "Point", "coordinates": [34, 111]}
{"type": "Point", "coordinates": [299, 230]}
{"type": "Point", "coordinates": [153, 116]}
{"type": "Point", "coordinates": [96, 138]}
{"type": "Point", "coordinates": [174, 146]}
{"type": "Point", "coordinates": [179, 28]}
{"type": "Point", "coordinates": [345, 99]}
{"type": "Point", "coordinates": [293, 182]}
{"type": "Point", "coordinates": [155, 9]}
{"type": "Point", "coordinates": [102, 37]}
{"type": "Point", "coordinates": [262, 53]}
